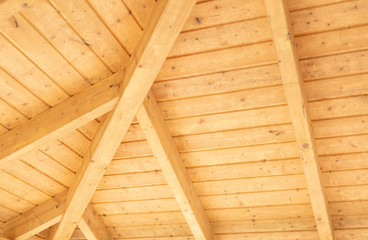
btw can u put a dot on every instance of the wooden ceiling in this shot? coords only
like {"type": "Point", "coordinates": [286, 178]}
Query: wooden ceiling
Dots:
{"type": "Point", "coordinates": [184, 119]}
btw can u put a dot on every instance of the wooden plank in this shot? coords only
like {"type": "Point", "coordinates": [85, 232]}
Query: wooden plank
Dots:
{"type": "Point", "coordinates": [141, 10]}
{"type": "Point", "coordinates": [305, 235]}
{"type": "Point", "coordinates": [344, 162]}
{"type": "Point", "coordinates": [22, 189]}
{"type": "Point", "coordinates": [348, 208]}
{"type": "Point", "coordinates": [223, 82]}
{"type": "Point", "coordinates": [139, 219]}
{"type": "Point", "coordinates": [143, 164]}
{"type": "Point", "coordinates": [235, 138]}
{"type": "Point", "coordinates": [49, 167]}
{"type": "Point", "coordinates": [29, 75]}
{"type": "Point", "coordinates": [132, 180]}
{"type": "Point", "coordinates": [218, 12]}
{"type": "Point", "coordinates": [59, 33]}
{"type": "Point", "coordinates": [332, 42]}
{"type": "Point", "coordinates": [9, 117]}
{"type": "Point", "coordinates": [143, 206]}
{"type": "Point", "coordinates": [92, 226]}
{"type": "Point", "coordinates": [345, 178]}
{"type": "Point", "coordinates": [341, 127]}
{"type": "Point", "coordinates": [295, 5]}
{"type": "Point", "coordinates": [223, 36]}
{"type": "Point", "coordinates": [164, 148]}
{"type": "Point", "coordinates": [141, 71]}
{"type": "Point", "coordinates": [9, 8]}
{"type": "Point", "coordinates": [338, 87]}
{"type": "Point", "coordinates": [225, 102]}
{"type": "Point", "coordinates": [131, 194]}
{"type": "Point", "coordinates": [292, 80]}
{"type": "Point", "coordinates": [93, 31]}
{"type": "Point", "coordinates": [14, 203]}
{"type": "Point", "coordinates": [272, 225]}
{"type": "Point", "coordinates": [35, 178]}
{"type": "Point", "coordinates": [330, 17]}
{"type": "Point", "coordinates": [260, 213]}
{"type": "Point", "coordinates": [334, 66]}
{"type": "Point", "coordinates": [19, 97]}
{"type": "Point", "coordinates": [218, 61]}
{"type": "Point", "coordinates": [347, 193]}
{"type": "Point", "coordinates": [343, 145]}
{"type": "Point", "coordinates": [243, 185]}
{"type": "Point", "coordinates": [142, 232]}
{"type": "Point", "coordinates": [120, 21]}
{"type": "Point", "coordinates": [246, 170]}
{"type": "Point", "coordinates": [354, 234]}
{"type": "Point", "coordinates": [24, 36]}
{"type": "Point", "coordinates": [337, 108]}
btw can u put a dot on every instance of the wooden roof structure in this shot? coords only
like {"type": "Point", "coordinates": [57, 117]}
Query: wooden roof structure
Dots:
{"type": "Point", "coordinates": [184, 119]}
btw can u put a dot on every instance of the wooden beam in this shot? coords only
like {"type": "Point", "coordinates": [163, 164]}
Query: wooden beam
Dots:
{"type": "Point", "coordinates": [48, 214]}
{"type": "Point", "coordinates": [64, 117]}
{"type": "Point", "coordinates": [283, 38]}
{"type": "Point", "coordinates": [92, 226]}
{"type": "Point", "coordinates": [35, 220]}
{"type": "Point", "coordinates": [143, 67]}
{"type": "Point", "coordinates": [163, 146]}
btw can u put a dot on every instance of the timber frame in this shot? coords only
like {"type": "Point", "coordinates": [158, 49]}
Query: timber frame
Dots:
{"type": "Point", "coordinates": [126, 95]}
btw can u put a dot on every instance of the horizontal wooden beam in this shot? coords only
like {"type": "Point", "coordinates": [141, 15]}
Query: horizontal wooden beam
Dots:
{"type": "Point", "coordinates": [163, 146]}
{"type": "Point", "coordinates": [165, 24]}
{"type": "Point", "coordinates": [64, 117]}
{"type": "Point", "coordinates": [293, 87]}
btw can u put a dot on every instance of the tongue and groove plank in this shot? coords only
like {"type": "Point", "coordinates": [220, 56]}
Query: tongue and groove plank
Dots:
{"type": "Point", "coordinates": [19, 97]}
{"type": "Point", "coordinates": [93, 32]}
{"type": "Point", "coordinates": [66, 41]}
{"type": "Point", "coordinates": [157, 39]}
{"type": "Point", "coordinates": [29, 75]}
{"type": "Point", "coordinates": [120, 21]}
{"type": "Point", "coordinates": [224, 33]}
{"type": "Point", "coordinates": [141, 10]}
{"type": "Point", "coordinates": [291, 76]}
{"type": "Point", "coordinates": [23, 36]}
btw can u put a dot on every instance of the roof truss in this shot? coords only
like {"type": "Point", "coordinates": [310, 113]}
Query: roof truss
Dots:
{"type": "Point", "coordinates": [283, 38]}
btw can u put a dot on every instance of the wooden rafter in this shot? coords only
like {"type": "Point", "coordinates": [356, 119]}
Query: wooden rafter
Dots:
{"type": "Point", "coordinates": [163, 146]}
{"type": "Point", "coordinates": [36, 220]}
{"type": "Point", "coordinates": [283, 38]}
{"type": "Point", "coordinates": [143, 67]}
{"type": "Point", "coordinates": [64, 117]}
{"type": "Point", "coordinates": [92, 226]}
{"type": "Point", "coordinates": [49, 214]}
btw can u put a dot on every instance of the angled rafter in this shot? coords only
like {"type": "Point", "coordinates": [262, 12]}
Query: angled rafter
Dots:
{"type": "Point", "coordinates": [92, 226]}
{"type": "Point", "coordinates": [293, 87]}
{"type": "Point", "coordinates": [49, 214]}
{"type": "Point", "coordinates": [163, 146]}
{"type": "Point", "coordinates": [64, 117]}
{"type": "Point", "coordinates": [143, 67]}
{"type": "Point", "coordinates": [35, 220]}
